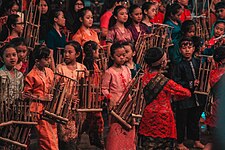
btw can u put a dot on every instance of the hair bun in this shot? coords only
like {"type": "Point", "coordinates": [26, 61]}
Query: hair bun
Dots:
{"type": "Point", "coordinates": [153, 54]}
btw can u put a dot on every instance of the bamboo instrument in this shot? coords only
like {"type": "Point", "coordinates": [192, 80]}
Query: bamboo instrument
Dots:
{"type": "Point", "coordinates": [63, 94]}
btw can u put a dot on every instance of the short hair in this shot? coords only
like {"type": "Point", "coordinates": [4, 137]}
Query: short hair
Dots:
{"type": "Point", "coordinates": [220, 5]}
{"type": "Point", "coordinates": [219, 53]}
{"type": "Point", "coordinates": [185, 39]}
{"type": "Point", "coordinates": [153, 54]}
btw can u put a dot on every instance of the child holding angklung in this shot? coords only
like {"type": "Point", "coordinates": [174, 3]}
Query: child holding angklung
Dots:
{"type": "Point", "coordinates": [114, 83]}
{"type": "Point", "coordinates": [158, 128]}
{"type": "Point", "coordinates": [68, 134]}
{"type": "Point", "coordinates": [38, 83]}
{"type": "Point", "coordinates": [94, 119]}
{"type": "Point", "coordinates": [188, 112]}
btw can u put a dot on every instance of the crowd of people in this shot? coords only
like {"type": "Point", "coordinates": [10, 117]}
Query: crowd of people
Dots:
{"type": "Point", "coordinates": [172, 112]}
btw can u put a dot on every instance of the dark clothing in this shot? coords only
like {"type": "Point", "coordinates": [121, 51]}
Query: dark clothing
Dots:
{"type": "Point", "coordinates": [44, 27]}
{"type": "Point", "coordinates": [72, 22]}
{"type": "Point", "coordinates": [189, 117]}
{"type": "Point", "coordinates": [135, 33]}
{"type": "Point", "coordinates": [134, 71]}
{"type": "Point", "coordinates": [54, 41]}
{"type": "Point", "coordinates": [183, 75]}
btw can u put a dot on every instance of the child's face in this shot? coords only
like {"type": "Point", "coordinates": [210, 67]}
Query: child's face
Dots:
{"type": "Point", "coordinates": [60, 20]}
{"type": "Point", "coordinates": [176, 17]}
{"type": "Point", "coordinates": [221, 13]}
{"type": "Point", "coordinates": [122, 15]}
{"type": "Point", "coordinates": [151, 12]}
{"type": "Point", "coordinates": [119, 56]}
{"type": "Point", "coordinates": [19, 26]}
{"type": "Point", "coordinates": [70, 54]}
{"type": "Point", "coordinates": [187, 49]}
{"type": "Point", "coordinates": [96, 53]}
{"type": "Point", "coordinates": [191, 32]}
{"type": "Point", "coordinates": [44, 7]}
{"type": "Point", "coordinates": [219, 29]}
{"type": "Point", "coordinates": [183, 2]}
{"type": "Point", "coordinates": [21, 52]}
{"type": "Point", "coordinates": [10, 57]}
{"type": "Point", "coordinates": [129, 53]}
{"type": "Point", "coordinates": [44, 62]}
{"type": "Point", "coordinates": [88, 19]}
{"type": "Point", "coordinates": [136, 15]}
{"type": "Point", "coordinates": [78, 6]}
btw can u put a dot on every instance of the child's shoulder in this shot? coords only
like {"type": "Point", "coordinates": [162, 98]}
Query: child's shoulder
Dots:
{"type": "Point", "coordinates": [81, 66]}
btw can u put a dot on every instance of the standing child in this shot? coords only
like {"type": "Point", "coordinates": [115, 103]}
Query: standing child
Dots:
{"type": "Point", "coordinates": [158, 128]}
{"type": "Point", "coordinates": [68, 133]}
{"type": "Point", "coordinates": [9, 57]}
{"type": "Point", "coordinates": [38, 82]}
{"type": "Point", "coordinates": [188, 28]}
{"type": "Point", "coordinates": [114, 83]}
{"type": "Point", "coordinates": [149, 10]}
{"type": "Point", "coordinates": [172, 18]}
{"type": "Point", "coordinates": [130, 53]}
{"type": "Point", "coordinates": [188, 112]}
{"type": "Point", "coordinates": [94, 119]}
{"type": "Point", "coordinates": [21, 48]}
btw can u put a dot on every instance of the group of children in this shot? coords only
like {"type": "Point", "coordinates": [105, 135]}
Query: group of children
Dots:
{"type": "Point", "coordinates": [159, 127]}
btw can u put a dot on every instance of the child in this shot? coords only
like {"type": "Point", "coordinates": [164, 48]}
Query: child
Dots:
{"type": "Point", "coordinates": [114, 83]}
{"type": "Point", "coordinates": [85, 33]}
{"type": "Point", "coordinates": [21, 48]}
{"type": "Point", "coordinates": [188, 28]}
{"type": "Point", "coordinates": [95, 120]}
{"type": "Point", "coordinates": [186, 14]}
{"type": "Point", "coordinates": [9, 57]}
{"type": "Point", "coordinates": [220, 9]}
{"type": "Point", "coordinates": [68, 133]}
{"type": "Point", "coordinates": [172, 18]}
{"type": "Point", "coordinates": [117, 31]}
{"type": "Point", "coordinates": [130, 53]}
{"type": "Point", "coordinates": [149, 11]}
{"type": "Point", "coordinates": [136, 27]}
{"type": "Point", "coordinates": [188, 112]}
{"type": "Point", "coordinates": [39, 82]}
{"type": "Point", "coordinates": [55, 38]}
{"type": "Point", "coordinates": [158, 128]}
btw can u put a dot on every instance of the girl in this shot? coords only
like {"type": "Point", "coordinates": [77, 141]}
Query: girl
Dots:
{"type": "Point", "coordinates": [85, 33]}
{"type": "Point", "coordinates": [56, 38]}
{"type": "Point", "coordinates": [149, 10]}
{"type": "Point", "coordinates": [117, 31]}
{"type": "Point", "coordinates": [9, 57]}
{"type": "Point", "coordinates": [9, 7]}
{"type": "Point", "coordinates": [158, 128]}
{"type": "Point", "coordinates": [136, 27]}
{"type": "Point", "coordinates": [38, 82]}
{"type": "Point", "coordinates": [72, 18]}
{"type": "Point", "coordinates": [95, 120]}
{"type": "Point", "coordinates": [130, 53]}
{"type": "Point", "coordinates": [114, 83]}
{"type": "Point", "coordinates": [15, 26]}
{"type": "Point", "coordinates": [172, 18]}
{"type": "Point", "coordinates": [68, 133]}
{"type": "Point", "coordinates": [44, 22]}
{"type": "Point", "coordinates": [21, 48]}
{"type": "Point", "coordinates": [188, 28]}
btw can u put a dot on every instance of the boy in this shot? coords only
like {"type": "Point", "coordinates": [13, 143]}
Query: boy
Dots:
{"type": "Point", "coordinates": [188, 112]}
{"type": "Point", "coordinates": [220, 10]}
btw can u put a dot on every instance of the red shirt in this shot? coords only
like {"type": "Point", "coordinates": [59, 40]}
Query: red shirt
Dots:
{"type": "Point", "coordinates": [158, 119]}
{"type": "Point", "coordinates": [159, 18]}
{"type": "Point", "coordinates": [186, 15]}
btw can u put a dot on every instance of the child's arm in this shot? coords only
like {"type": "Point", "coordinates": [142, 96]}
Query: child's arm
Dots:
{"type": "Point", "coordinates": [106, 79]}
{"type": "Point", "coordinates": [28, 84]}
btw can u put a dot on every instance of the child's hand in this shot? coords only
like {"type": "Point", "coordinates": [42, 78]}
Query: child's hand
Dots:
{"type": "Point", "coordinates": [196, 82]}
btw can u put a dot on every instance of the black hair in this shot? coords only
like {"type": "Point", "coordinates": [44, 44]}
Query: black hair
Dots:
{"type": "Point", "coordinates": [217, 22]}
{"type": "Point", "coordinates": [219, 53]}
{"type": "Point", "coordinates": [6, 6]}
{"type": "Point", "coordinates": [152, 55]}
{"type": "Point", "coordinates": [12, 20]}
{"type": "Point", "coordinates": [131, 10]}
{"type": "Point", "coordinates": [72, 4]}
{"type": "Point", "coordinates": [108, 4]}
{"type": "Point", "coordinates": [81, 14]}
{"type": "Point", "coordinates": [197, 42]}
{"type": "Point", "coordinates": [113, 49]}
{"type": "Point", "coordinates": [3, 48]}
{"type": "Point", "coordinates": [54, 14]}
{"type": "Point", "coordinates": [186, 26]}
{"type": "Point", "coordinates": [132, 48]}
{"type": "Point", "coordinates": [18, 41]}
{"type": "Point", "coordinates": [185, 39]}
{"type": "Point", "coordinates": [89, 47]}
{"type": "Point", "coordinates": [172, 10]}
{"type": "Point", "coordinates": [220, 5]}
{"type": "Point", "coordinates": [113, 20]}
{"type": "Point", "coordinates": [76, 45]}
{"type": "Point", "coordinates": [146, 6]}
{"type": "Point", "coordinates": [39, 52]}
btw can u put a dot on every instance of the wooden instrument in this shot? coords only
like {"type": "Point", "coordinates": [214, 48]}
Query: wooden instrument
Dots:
{"type": "Point", "coordinates": [15, 117]}
{"type": "Point", "coordinates": [32, 26]}
{"type": "Point", "coordinates": [59, 55]}
{"type": "Point", "coordinates": [90, 92]}
{"type": "Point", "coordinates": [64, 98]}
{"type": "Point", "coordinates": [204, 74]}
{"type": "Point", "coordinates": [103, 58]}
{"type": "Point", "coordinates": [123, 111]}
{"type": "Point", "coordinates": [3, 21]}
